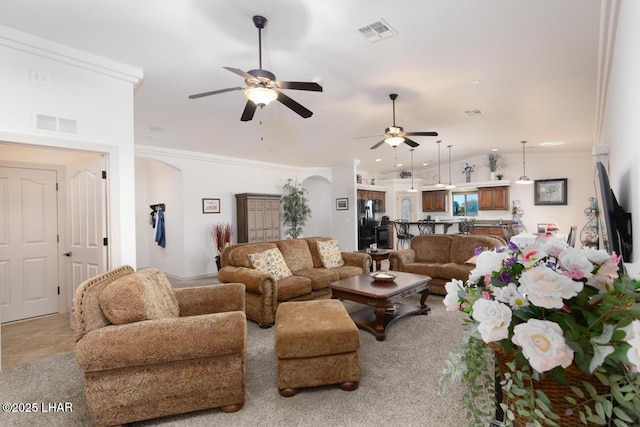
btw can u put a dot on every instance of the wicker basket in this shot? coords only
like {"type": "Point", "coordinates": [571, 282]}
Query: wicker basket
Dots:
{"type": "Point", "coordinates": [555, 391]}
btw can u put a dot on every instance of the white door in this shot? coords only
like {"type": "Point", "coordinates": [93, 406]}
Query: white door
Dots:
{"type": "Point", "coordinates": [87, 251]}
{"type": "Point", "coordinates": [28, 243]}
{"type": "Point", "coordinates": [406, 205]}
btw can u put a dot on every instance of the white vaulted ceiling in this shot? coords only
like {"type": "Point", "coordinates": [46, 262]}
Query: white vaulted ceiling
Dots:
{"type": "Point", "coordinates": [530, 66]}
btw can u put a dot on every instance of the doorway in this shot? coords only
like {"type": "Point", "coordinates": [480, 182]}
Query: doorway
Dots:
{"type": "Point", "coordinates": [69, 210]}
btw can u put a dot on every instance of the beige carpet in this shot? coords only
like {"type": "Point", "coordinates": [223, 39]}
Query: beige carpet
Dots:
{"type": "Point", "coordinates": [398, 385]}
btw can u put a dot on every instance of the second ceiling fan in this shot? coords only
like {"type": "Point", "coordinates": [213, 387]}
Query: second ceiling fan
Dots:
{"type": "Point", "coordinates": [395, 135]}
{"type": "Point", "coordinates": [261, 85]}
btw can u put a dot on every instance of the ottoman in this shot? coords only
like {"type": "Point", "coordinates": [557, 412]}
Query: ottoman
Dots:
{"type": "Point", "coordinates": [316, 343]}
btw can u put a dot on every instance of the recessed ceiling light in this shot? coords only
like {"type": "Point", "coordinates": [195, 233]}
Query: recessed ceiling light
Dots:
{"type": "Point", "coordinates": [425, 164]}
{"type": "Point", "coordinates": [474, 82]}
{"type": "Point", "coordinates": [378, 160]}
{"type": "Point", "coordinates": [551, 143]}
{"type": "Point", "coordinates": [397, 165]}
{"type": "Point", "coordinates": [494, 149]}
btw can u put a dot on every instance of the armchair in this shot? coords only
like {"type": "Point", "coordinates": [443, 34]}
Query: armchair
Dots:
{"type": "Point", "coordinates": [149, 351]}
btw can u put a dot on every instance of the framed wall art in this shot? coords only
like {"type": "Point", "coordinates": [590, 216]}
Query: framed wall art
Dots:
{"type": "Point", "coordinates": [550, 191]}
{"type": "Point", "coordinates": [210, 206]}
{"type": "Point", "coordinates": [342, 204]}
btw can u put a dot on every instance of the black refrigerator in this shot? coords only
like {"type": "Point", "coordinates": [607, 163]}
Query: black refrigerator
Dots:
{"type": "Point", "coordinates": [367, 222]}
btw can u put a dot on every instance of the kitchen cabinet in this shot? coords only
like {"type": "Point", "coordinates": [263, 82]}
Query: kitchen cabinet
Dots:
{"type": "Point", "coordinates": [373, 195]}
{"type": "Point", "coordinates": [434, 201]}
{"type": "Point", "coordinates": [258, 217]}
{"type": "Point", "coordinates": [488, 231]}
{"type": "Point", "coordinates": [493, 198]}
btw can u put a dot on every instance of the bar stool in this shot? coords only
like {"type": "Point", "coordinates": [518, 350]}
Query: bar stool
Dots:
{"type": "Point", "coordinates": [402, 233]}
{"type": "Point", "coordinates": [427, 226]}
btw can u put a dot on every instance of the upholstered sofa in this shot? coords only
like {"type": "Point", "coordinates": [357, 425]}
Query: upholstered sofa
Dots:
{"type": "Point", "coordinates": [441, 256]}
{"type": "Point", "coordinates": [148, 350]}
{"type": "Point", "coordinates": [308, 279]}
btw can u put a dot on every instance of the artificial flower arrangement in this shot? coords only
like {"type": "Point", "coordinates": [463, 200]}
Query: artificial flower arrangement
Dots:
{"type": "Point", "coordinates": [468, 168]}
{"type": "Point", "coordinates": [221, 234]}
{"type": "Point", "coordinates": [549, 306]}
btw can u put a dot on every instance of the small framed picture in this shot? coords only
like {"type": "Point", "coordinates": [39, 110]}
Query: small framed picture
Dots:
{"type": "Point", "coordinates": [342, 204]}
{"type": "Point", "coordinates": [210, 206]}
{"type": "Point", "coordinates": [550, 191]}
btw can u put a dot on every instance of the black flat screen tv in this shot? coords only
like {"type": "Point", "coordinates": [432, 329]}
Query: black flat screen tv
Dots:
{"type": "Point", "coordinates": [614, 223]}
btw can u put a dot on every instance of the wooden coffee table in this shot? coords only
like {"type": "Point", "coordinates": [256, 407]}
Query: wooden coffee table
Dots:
{"type": "Point", "coordinates": [384, 299]}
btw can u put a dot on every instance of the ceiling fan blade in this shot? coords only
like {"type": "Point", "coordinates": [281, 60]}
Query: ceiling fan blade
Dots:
{"type": "Point", "coordinates": [300, 86]}
{"type": "Point", "coordinates": [369, 136]}
{"type": "Point", "coordinates": [410, 142]}
{"type": "Point", "coordinates": [240, 72]}
{"type": "Point", "coordinates": [377, 145]}
{"type": "Point", "coordinates": [421, 133]}
{"type": "Point", "coordinates": [284, 99]}
{"type": "Point", "coordinates": [249, 111]}
{"type": "Point", "coordinates": [215, 92]}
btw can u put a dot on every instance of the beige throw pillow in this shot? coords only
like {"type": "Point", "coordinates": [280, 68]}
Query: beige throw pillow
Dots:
{"type": "Point", "coordinates": [330, 253]}
{"type": "Point", "coordinates": [270, 261]}
{"type": "Point", "coordinates": [145, 295]}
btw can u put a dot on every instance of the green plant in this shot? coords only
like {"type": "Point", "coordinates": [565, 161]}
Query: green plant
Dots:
{"type": "Point", "coordinates": [495, 161]}
{"type": "Point", "coordinates": [549, 306]}
{"type": "Point", "coordinates": [295, 208]}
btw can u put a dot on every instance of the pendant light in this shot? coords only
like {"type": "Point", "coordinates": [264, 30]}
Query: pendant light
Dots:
{"type": "Point", "coordinates": [412, 190]}
{"type": "Point", "coordinates": [450, 186]}
{"type": "Point", "coordinates": [524, 179]}
{"type": "Point", "coordinates": [439, 184]}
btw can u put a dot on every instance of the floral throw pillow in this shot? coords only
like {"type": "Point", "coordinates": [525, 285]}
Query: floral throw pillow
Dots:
{"type": "Point", "coordinates": [270, 261]}
{"type": "Point", "coordinates": [330, 254]}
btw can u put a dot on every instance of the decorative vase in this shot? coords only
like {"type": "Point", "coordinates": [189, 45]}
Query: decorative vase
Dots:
{"type": "Point", "coordinates": [468, 176]}
{"type": "Point", "coordinates": [554, 390]}
{"type": "Point", "coordinates": [492, 176]}
{"type": "Point", "coordinates": [218, 262]}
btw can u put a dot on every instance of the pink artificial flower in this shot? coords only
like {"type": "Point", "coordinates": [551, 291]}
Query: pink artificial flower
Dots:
{"type": "Point", "coordinates": [575, 264]}
{"type": "Point", "coordinates": [531, 254]}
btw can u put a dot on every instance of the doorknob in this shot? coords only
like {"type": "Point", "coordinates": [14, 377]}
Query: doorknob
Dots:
{"type": "Point", "coordinates": [67, 254]}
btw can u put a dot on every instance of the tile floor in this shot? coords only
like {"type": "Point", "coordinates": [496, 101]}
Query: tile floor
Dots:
{"type": "Point", "coordinates": [34, 339]}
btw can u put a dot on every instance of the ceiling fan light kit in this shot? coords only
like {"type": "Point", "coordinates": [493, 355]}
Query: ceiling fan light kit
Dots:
{"type": "Point", "coordinates": [261, 85]}
{"type": "Point", "coordinates": [261, 96]}
{"type": "Point", "coordinates": [524, 179]}
{"type": "Point", "coordinates": [395, 135]}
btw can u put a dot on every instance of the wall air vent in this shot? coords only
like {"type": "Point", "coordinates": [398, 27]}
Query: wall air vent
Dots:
{"type": "Point", "coordinates": [475, 112]}
{"type": "Point", "coordinates": [56, 124]}
{"type": "Point", "coordinates": [377, 31]}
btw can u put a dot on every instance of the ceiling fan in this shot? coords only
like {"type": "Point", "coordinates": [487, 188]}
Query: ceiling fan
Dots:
{"type": "Point", "coordinates": [395, 135]}
{"type": "Point", "coordinates": [262, 85]}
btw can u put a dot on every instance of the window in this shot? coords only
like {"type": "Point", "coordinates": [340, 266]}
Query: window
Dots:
{"type": "Point", "coordinates": [465, 204]}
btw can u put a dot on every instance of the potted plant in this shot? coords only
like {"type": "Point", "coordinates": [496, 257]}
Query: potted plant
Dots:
{"type": "Point", "coordinates": [552, 317]}
{"type": "Point", "coordinates": [295, 208]}
{"type": "Point", "coordinates": [495, 161]}
{"type": "Point", "coordinates": [221, 234]}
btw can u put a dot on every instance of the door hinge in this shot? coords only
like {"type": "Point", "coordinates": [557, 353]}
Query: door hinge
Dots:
{"type": "Point", "coordinates": [58, 290]}
{"type": "Point", "coordinates": [105, 241]}
{"type": "Point", "coordinates": [104, 174]}
{"type": "Point", "coordinates": [56, 186]}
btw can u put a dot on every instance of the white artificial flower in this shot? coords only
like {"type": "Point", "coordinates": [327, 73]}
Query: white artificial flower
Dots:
{"type": "Point", "coordinates": [451, 300]}
{"type": "Point", "coordinates": [488, 262]}
{"type": "Point", "coordinates": [543, 344]}
{"type": "Point", "coordinates": [546, 288]}
{"type": "Point", "coordinates": [575, 264]}
{"type": "Point", "coordinates": [494, 319]}
{"type": "Point", "coordinates": [596, 256]}
{"type": "Point", "coordinates": [633, 338]}
{"type": "Point", "coordinates": [510, 295]}
{"type": "Point", "coordinates": [551, 245]}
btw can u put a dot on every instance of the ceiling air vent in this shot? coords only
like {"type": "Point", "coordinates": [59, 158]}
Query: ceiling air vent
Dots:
{"type": "Point", "coordinates": [56, 124]}
{"type": "Point", "coordinates": [377, 31]}
{"type": "Point", "coordinates": [475, 112]}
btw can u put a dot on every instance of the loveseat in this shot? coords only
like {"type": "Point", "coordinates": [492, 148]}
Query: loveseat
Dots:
{"type": "Point", "coordinates": [305, 275]}
{"type": "Point", "coordinates": [148, 350]}
{"type": "Point", "coordinates": [441, 256]}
